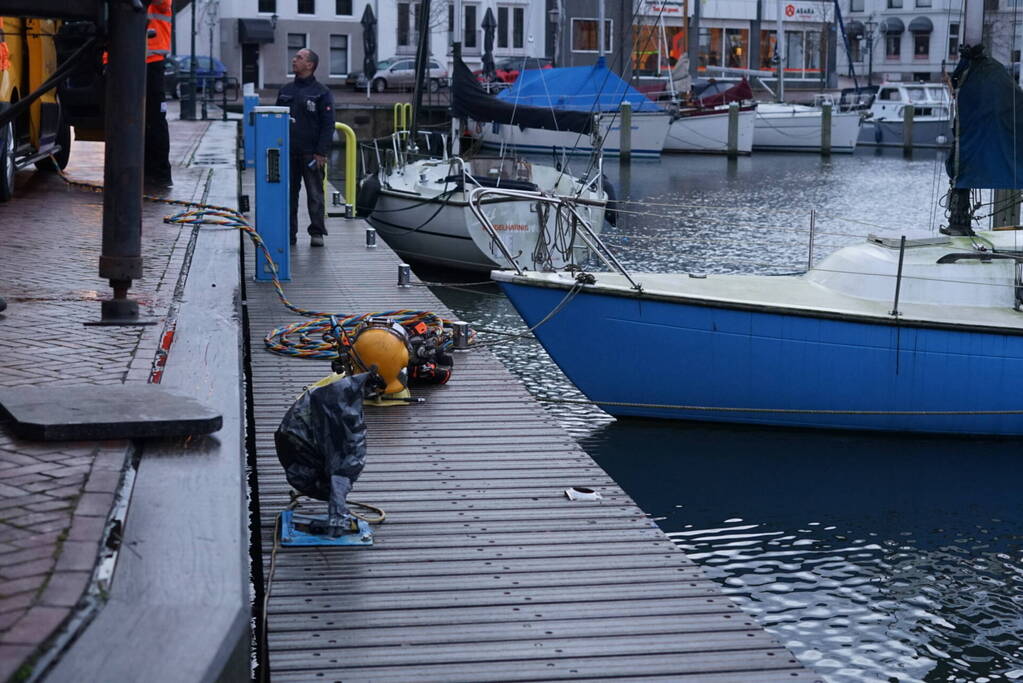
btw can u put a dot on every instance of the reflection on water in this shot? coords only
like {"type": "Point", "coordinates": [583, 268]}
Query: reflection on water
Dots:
{"type": "Point", "coordinates": [872, 558]}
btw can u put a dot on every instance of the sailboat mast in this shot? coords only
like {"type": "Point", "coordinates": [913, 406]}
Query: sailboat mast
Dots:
{"type": "Point", "coordinates": [422, 58]}
{"type": "Point", "coordinates": [600, 28]}
{"type": "Point", "coordinates": [779, 48]}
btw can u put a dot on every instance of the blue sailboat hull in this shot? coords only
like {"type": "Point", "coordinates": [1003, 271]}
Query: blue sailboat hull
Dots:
{"type": "Point", "coordinates": [690, 361]}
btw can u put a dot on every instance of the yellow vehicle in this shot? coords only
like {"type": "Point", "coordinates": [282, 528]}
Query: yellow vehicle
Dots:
{"type": "Point", "coordinates": [40, 135]}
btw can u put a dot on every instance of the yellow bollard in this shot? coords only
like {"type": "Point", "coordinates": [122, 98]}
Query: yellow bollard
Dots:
{"type": "Point", "coordinates": [402, 116]}
{"type": "Point", "coordinates": [351, 152]}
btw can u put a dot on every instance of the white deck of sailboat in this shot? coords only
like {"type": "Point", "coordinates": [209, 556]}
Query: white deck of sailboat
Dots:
{"type": "Point", "coordinates": [984, 290]}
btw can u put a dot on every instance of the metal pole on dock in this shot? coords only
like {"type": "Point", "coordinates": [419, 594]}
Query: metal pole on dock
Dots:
{"type": "Point", "coordinates": [120, 261]}
{"type": "Point", "coordinates": [907, 128]}
{"type": "Point", "coordinates": [826, 129]}
{"type": "Point", "coordinates": [625, 134]}
{"type": "Point", "coordinates": [733, 130]}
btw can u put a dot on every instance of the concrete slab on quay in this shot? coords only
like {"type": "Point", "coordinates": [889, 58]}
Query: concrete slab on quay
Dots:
{"type": "Point", "coordinates": [484, 570]}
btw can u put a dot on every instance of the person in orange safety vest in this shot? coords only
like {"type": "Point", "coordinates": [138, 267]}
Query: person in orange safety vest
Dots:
{"type": "Point", "coordinates": [158, 48]}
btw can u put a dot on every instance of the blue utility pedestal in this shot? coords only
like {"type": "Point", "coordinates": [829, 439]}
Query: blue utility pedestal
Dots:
{"type": "Point", "coordinates": [272, 190]}
{"type": "Point", "coordinates": [249, 129]}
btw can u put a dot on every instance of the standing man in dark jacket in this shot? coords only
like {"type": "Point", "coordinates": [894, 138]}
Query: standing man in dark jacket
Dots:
{"type": "Point", "coordinates": [312, 127]}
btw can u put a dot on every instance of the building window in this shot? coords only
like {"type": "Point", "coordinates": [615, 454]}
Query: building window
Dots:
{"type": "Point", "coordinates": [584, 35]}
{"type": "Point", "coordinates": [804, 53]}
{"type": "Point", "coordinates": [469, 27]}
{"type": "Point", "coordinates": [921, 45]}
{"type": "Point", "coordinates": [518, 22]}
{"type": "Point", "coordinates": [953, 41]}
{"type": "Point", "coordinates": [856, 49]}
{"type": "Point", "coordinates": [855, 5]}
{"type": "Point", "coordinates": [343, 8]}
{"type": "Point", "coordinates": [894, 4]}
{"type": "Point", "coordinates": [502, 26]}
{"type": "Point", "coordinates": [338, 55]}
{"type": "Point", "coordinates": [923, 3]}
{"type": "Point", "coordinates": [405, 32]}
{"type": "Point", "coordinates": [892, 45]}
{"type": "Point", "coordinates": [296, 42]}
{"type": "Point", "coordinates": [268, 6]}
{"type": "Point", "coordinates": [307, 6]}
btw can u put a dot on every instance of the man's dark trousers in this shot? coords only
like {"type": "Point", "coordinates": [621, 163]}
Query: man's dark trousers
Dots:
{"type": "Point", "coordinates": [313, 179]}
{"type": "Point", "coordinates": [157, 145]}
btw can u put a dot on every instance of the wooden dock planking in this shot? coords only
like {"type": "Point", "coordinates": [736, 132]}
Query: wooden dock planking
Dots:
{"type": "Point", "coordinates": [483, 569]}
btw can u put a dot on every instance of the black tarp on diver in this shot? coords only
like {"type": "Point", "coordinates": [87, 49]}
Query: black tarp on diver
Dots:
{"type": "Point", "coordinates": [321, 443]}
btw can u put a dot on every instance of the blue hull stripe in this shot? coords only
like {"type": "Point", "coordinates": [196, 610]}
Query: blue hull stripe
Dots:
{"type": "Point", "coordinates": [630, 350]}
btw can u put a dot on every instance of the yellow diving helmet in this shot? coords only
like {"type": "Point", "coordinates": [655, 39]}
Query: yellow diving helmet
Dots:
{"type": "Point", "coordinates": [383, 345]}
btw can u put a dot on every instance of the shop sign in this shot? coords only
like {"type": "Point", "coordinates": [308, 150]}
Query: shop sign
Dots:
{"type": "Point", "coordinates": [806, 11]}
{"type": "Point", "coordinates": [663, 8]}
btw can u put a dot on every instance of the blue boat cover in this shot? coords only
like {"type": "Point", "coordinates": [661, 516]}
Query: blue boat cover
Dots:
{"type": "Point", "coordinates": [990, 144]}
{"type": "Point", "coordinates": [580, 88]}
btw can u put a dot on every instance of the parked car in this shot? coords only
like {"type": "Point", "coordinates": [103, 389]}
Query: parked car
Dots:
{"type": "Point", "coordinates": [507, 69]}
{"type": "Point", "coordinates": [209, 72]}
{"type": "Point", "coordinates": [400, 73]}
{"type": "Point", "coordinates": [41, 135]}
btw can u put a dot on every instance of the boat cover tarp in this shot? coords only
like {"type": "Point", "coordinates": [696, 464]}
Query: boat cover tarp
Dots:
{"type": "Point", "coordinates": [737, 93]}
{"type": "Point", "coordinates": [470, 100]}
{"type": "Point", "coordinates": [990, 109]}
{"type": "Point", "coordinates": [580, 88]}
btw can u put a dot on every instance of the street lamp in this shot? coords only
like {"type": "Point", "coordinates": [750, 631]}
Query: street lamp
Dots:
{"type": "Point", "coordinates": [870, 26]}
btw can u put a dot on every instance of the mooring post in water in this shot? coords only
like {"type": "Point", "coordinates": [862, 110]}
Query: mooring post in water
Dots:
{"type": "Point", "coordinates": [907, 128]}
{"type": "Point", "coordinates": [733, 130]}
{"type": "Point", "coordinates": [898, 275]}
{"type": "Point", "coordinates": [625, 133]}
{"type": "Point", "coordinates": [813, 229]}
{"type": "Point", "coordinates": [826, 128]}
{"type": "Point", "coordinates": [1006, 208]}
{"type": "Point", "coordinates": [120, 261]}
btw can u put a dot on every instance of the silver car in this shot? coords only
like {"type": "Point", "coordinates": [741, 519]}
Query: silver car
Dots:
{"type": "Point", "coordinates": [400, 73]}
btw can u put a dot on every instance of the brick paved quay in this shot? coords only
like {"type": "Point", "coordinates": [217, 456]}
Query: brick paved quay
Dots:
{"type": "Point", "coordinates": [57, 498]}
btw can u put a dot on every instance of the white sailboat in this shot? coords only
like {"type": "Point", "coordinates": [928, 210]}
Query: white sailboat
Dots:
{"type": "Point", "coordinates": [425, 205]}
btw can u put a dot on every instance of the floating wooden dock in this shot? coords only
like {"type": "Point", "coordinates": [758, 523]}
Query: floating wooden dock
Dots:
{"type": "Point", "coordinates": [484, 570]}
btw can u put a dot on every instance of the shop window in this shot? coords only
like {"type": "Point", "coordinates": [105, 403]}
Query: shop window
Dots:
{"type": "Point", "coordinates": [856, 49]}
{"type": "Point", "coordinates": [736, 47]}
{"type": "Point", "coordinates": [655, 49]}
{"type": "Point", "coordinates": [768, 49]}
{"type": "Point", "coordinates": [338, 55]}
{"type": "Point", "coordinates": [710, 47]}
{"type": "Point", "coordinates": [584, 35]}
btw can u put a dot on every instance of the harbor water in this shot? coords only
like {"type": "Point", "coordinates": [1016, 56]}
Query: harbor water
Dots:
{"type": "Point", "coordinates": [872, 558]}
